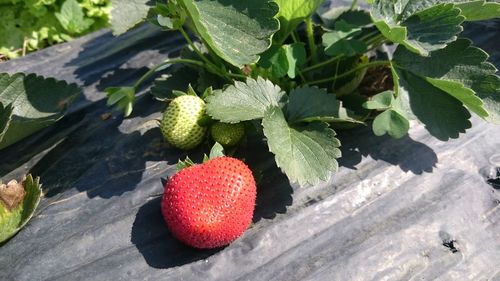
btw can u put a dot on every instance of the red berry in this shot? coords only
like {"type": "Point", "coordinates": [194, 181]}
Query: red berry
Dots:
{"type": "Point", "coordinates": [211, 204]}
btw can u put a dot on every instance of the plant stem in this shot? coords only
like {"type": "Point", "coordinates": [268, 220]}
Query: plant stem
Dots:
{"type": "Point", "coordinates": [209, 65]}
{"type": "Point", "coordinates": [353, 5]}
{"type": "Point", "coordinates": [375, 40]}
{"type": "Point", "coordinates": [366, 65]}
{"type": "Point", "coordinates": [295, 37]}
{"type": "Point", "coordinates": [166, 62]}
{"type": "Point", "coordinates": [366, 36]}
{"type": "Point", "coordinates": [191, 44]}
{"type": "Point", "coordinates": [336, 74]}
{"type": "Point", "coordinates": [302, 76]}
{"type": "Point", "coordinates": [235, 75]}
{"type": "Point", "coordinates": [310, 38]}
{"type": "Point", "coordinates": [315, 66]}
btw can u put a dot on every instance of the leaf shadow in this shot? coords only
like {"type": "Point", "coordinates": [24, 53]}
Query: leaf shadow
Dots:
{"type": "Point", "coordinates": [101, 160]}
{"type": "Point", "coordinates": [37, 143]}
{"type": "Point", "coordinates": [408, 154]}
{"type": "Point", "coordinates": [157, 245]}
{"type": "Point", "coordinates": [130, 51]}
{"type": "Point", "coordinates": [274, 192]}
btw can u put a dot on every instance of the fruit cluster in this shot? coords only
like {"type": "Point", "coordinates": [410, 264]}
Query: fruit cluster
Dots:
{"type": "Point", "coordinates": [207, 205]}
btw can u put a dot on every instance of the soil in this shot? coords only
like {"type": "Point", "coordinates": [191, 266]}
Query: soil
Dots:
{"type": "Point", "coordinates": [377, 80]}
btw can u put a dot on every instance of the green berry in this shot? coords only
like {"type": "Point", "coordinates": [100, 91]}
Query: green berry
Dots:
{"type": "Point", "coordinates": [227, 134]}
{"type": "Point", "coordinates": [180, 122]}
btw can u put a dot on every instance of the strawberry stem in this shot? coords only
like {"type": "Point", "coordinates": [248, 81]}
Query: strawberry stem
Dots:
{"type": "Point", "coordinates": [310, 38]}
{"type": "Point", "coordinates": [166, 62]}
{"type": "Point", "coordinates": [210, 65]}
{"type": "Point", "coordinates": [321, 64]}
{"type": "Point", "coordinates": [354, 70]}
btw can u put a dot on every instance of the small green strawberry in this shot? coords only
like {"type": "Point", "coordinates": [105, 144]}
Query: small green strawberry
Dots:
{"type": "Point", "coordinates": [227, 134]}
{"type": "Point", "coordinates": [180, 122]}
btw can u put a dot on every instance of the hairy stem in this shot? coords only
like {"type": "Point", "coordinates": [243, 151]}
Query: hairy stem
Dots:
{"type": "Point", "coordinates": [295, 37]}
{"type": "Point", "coordinates": [369, 35]}
{"type": "Point", "coordinates": [354, 4]}
{"type": "Point", "coordinates": [354, 70]}
{"type": "Point", "coordinates": [191, 44]}
{"type": "Point", "coordinates": [235, 75]}
{"type": "Point", "coordinates": [310, 39]}
{"type": "Point", "coordinates": [321, 64]}
{"type": "Point", "coordinates": [166, 62]}
{"type": "Point", "coordinates": [209, 65]}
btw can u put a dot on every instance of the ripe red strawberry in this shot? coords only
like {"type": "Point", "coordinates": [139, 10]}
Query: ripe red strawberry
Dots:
{"type": "Point", "coordinates": [211, 204]}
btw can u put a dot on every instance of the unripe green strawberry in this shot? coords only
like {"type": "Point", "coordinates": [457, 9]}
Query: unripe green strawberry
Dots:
{"type": "Point", "coordinates": [180, 122]}
{"type": "Point", "coordinates": [227, 134]}
{"type": "Point", "coordinates": [211, 204]}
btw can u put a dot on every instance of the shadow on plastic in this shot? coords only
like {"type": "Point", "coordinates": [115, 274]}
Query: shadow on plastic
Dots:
{"type": "Point", "coordinates": [101, 160]}
{"type": "Point", "coordinates": [105, 55]}
{"type": "Point", "coordinates": [155, 243]}
{"type": "Point", "coordinates": [408, 154]}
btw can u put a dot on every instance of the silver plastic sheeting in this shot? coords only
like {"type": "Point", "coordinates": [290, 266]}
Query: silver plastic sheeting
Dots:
{"type": "Point", "coordinates": [409, 209]}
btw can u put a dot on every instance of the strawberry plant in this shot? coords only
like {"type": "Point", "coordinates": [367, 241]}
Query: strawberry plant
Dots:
{"type": "Point", "coordinates": [302, 74]}
{"type": "Point", "coordinates": [34, 24]}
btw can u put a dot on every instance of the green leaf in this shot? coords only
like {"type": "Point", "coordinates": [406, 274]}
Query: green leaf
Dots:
{"type": "Point", "coordinates": [309, 102]}
{"type": "Point", "coordinates": [471, 9]}
{"type": "Point", "coordinates": [126, 14]}
{"type": "Point", "coordinates": [461, 93]}
{"type": "Point", "coordinates": [169, 15]}
{"type": "Point", "coordinates": [340, 42]}
{"type": "Point", "coordinates": [291, 14]}
{"type": "Point", "coordinates": [5, 117]}
{"type": "Point", "coordinates": [420, 26]}
{"type": "Point", "coordinates": [359, 18]}
{"type": "Point", "coordinates": [37, 103]}
{"type": "Point", "coordinates": [462, 68]}
{"type": "Point", "coordinates": [165, 22]}
{"type": "Point", "coordinates": [217, 151]}
{"type": "Point", "coordinates": [342, 30]}
{"type": "Point", "coordinates": [296, 56]}
{"type": "Point", "coordinates": [346, 47]}
{"type": "Point", "coordinates": [443, 115]}
{"type": "Point", "coordinates": [184, 164]}
{"type": "Point", "coordinates": [276, 60]}
{"type": "Point", "coordinates": [237, 31]}
{"type": "Point", "coordinates": [13, 220]}
{"type": "Point", "coordinates": [284, 60]}
{"type": "Point", "coordinates": [122, 97]}
{"type": "Point", "coordinates": [383, 100]}
{"type": "Point", "coordinates": [72, 17]}
{"type": "Point", "coordinates": [312, 104]}
{"type": "Point", "coordinates": [245, 101]}
{"type": "Point", "coordinates": [306, 154]}
{"type": "Point", "coordinates": [391, 122]}
{"type": "Point", "coordinates": [31, 25]}
{"type": "Point", "coordinates": [479, 10]}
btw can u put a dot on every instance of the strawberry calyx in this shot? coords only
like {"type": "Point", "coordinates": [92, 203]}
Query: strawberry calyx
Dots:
{"type": "Point", "coordinates": [216, 151]}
